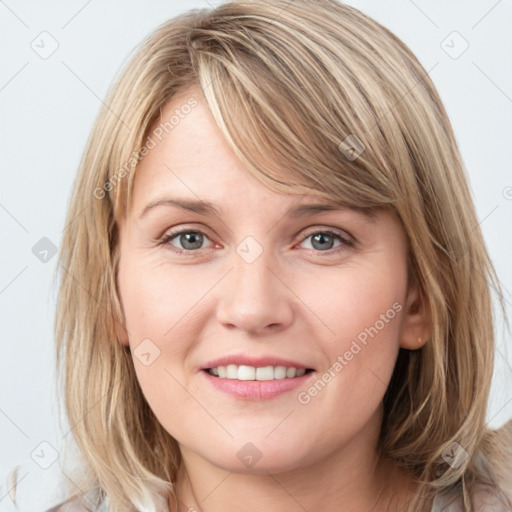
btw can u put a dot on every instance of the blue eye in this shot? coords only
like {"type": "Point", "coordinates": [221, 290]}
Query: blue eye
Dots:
{"type": "Point", "coordinates": [324, 239]}
{"type": "Point", "coordinates": [191, 241]}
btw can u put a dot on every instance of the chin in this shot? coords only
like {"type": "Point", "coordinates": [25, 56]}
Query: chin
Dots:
{"type": "Point", "coordinates": [262, 466]}
{"type": "Point", "coordinates": [258, 457]}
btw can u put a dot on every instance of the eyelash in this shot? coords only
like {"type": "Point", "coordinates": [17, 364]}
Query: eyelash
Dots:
{"type": "Point", "coordinates": [345, 242]}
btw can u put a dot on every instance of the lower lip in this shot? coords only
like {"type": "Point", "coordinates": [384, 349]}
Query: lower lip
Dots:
{"type": "Point", "coordinates": [256, 389]}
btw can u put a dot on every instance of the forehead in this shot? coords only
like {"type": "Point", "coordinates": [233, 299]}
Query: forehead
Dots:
{"type": "Point", "coordinates": [192, 166]}
{"type": "Point", "coordinates": [191, 158]}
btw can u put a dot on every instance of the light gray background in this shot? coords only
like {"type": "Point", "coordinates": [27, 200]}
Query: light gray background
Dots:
{"type": "Point", "coordinates": [47, 107]}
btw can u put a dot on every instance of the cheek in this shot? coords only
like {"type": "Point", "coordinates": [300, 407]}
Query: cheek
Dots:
{"type": "Point", "coordinates": [161, 309]}
{"type": "Point", "coordinates": [154, 299]}
{"type": "Point", "coordinates": [155, 324]}
{"type": "Point", "coordinates": [361, 313]}
{"type": "Point", "coordinates": [355, 301]}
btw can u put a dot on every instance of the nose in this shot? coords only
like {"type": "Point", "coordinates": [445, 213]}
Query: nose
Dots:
{"type": "Point", "coordinates": [256, 297]}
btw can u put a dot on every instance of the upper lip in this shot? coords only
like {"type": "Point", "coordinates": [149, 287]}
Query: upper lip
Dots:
{"type": "Point", "coordinates": [257, 362]}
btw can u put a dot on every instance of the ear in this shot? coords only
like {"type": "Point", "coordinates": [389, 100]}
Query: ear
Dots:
{"type": "Point", "coordinates": [416, 327]}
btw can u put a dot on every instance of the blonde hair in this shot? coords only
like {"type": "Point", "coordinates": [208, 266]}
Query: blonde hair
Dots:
{"type": "Point", "coordinates": [292, 86]}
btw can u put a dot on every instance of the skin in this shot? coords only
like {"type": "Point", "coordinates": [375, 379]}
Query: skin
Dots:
{"type": "Point", "coordinates": [293, 301]}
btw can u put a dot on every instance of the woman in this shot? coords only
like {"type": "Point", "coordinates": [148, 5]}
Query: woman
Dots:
{"type": "Point", "coordinates": [255, 368]}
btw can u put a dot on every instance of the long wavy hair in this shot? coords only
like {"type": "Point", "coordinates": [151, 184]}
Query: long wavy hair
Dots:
{"type": "Point", "coordinates": [312, 96]}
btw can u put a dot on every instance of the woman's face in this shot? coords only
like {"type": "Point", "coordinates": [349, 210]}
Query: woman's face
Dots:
{"type": "Point", "coordinates": [257, 286]}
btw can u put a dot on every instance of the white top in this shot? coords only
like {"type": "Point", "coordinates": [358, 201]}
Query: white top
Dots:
{"type": "Point", "coordinates": [41, 490]}
{"type": "Point", "coordinates": [486, 500]}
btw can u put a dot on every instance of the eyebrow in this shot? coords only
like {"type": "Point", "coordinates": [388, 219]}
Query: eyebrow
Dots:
{"type": "Point", "coordinates": [206, 208]}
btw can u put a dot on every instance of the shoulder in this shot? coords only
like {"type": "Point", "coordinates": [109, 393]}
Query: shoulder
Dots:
{"type": "Point", "coordinates": [488, 499]}
{"type": "Point", "coordinates": [485, 499]}
{"type": "Point", "coordinates": [29, 488]}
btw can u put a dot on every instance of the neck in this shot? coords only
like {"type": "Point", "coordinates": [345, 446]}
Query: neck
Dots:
{"type": "Point", "coordinates": [353, 477]}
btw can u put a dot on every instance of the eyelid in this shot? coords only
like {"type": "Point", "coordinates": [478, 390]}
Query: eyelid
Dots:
{"type": "Point", "coordinates": [342, 233]}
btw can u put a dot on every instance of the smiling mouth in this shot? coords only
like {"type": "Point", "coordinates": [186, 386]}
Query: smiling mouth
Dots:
{"type": "Point", "coordinates": [263, 373]}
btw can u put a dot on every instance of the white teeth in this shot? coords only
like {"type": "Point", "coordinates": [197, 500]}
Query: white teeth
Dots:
{"type": "Point", "coordinates": [244, 372]}
{"type": "Point", "coordinates": [280, 372]}
{"type": "Point", "coordinates": [231, 371]}
{"type": "Point", "coordinates": [265, 373]}
{"type": "Point", "coordinates": [290, 372]}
